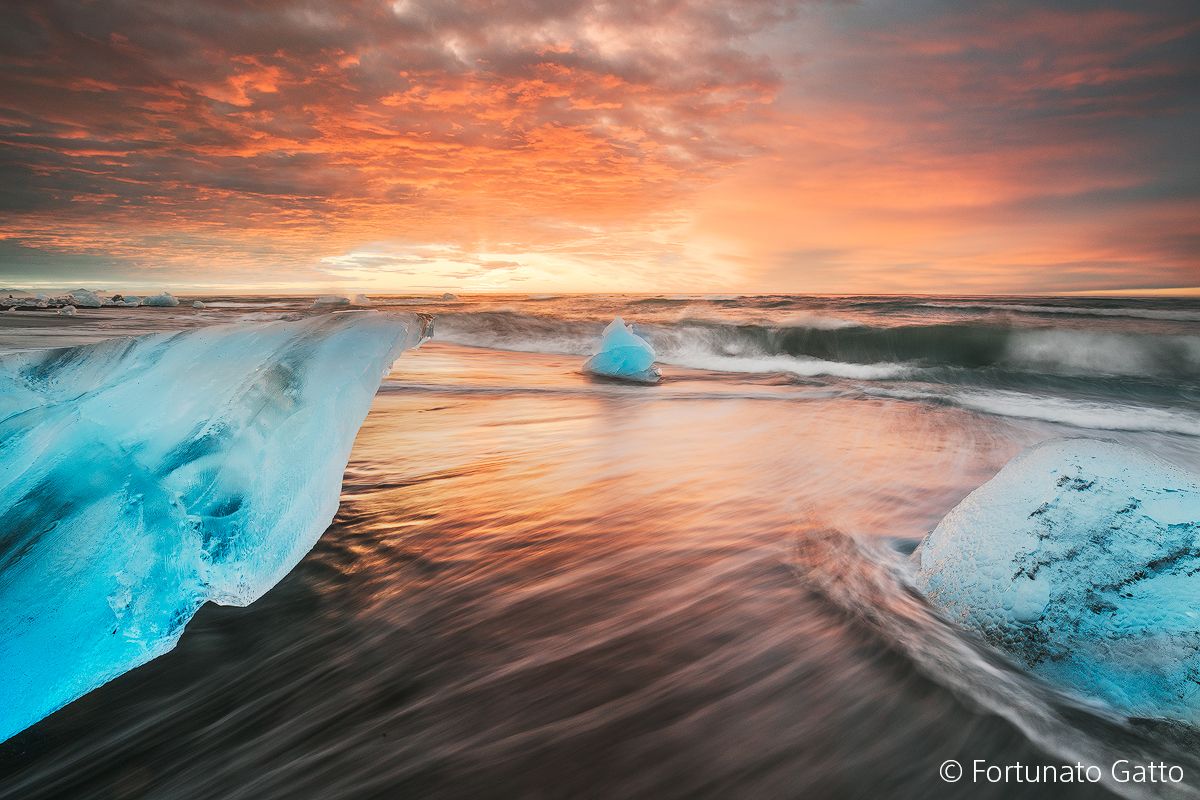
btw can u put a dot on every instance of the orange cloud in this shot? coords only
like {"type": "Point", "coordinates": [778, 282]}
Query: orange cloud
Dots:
{"type": "Point", "coordinates": [669, 145]}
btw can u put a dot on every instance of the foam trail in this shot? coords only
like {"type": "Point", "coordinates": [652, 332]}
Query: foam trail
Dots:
{"type": "Point", "coordinates": [1076, 413]}
{"type": "Point", "coordinates": [802, 367]}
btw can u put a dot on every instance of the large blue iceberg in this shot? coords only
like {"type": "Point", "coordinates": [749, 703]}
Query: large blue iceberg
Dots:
{"type": "Point", "coordinates": [623, 354]}
{"type": "Point", "coordinates": [1082, 559]}
{"type": "Point", "coordinates": [141, 477]}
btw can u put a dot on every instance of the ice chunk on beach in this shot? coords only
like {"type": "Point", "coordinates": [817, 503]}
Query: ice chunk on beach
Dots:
{"type": "Point", "coordinates": [623, 354]}
{"type": "Point", "coordinates": [448, 296]}
{"type": "Point", "coordinates": [1080, 558]}
{"type": "Point", "coordinates": [143, 477]}
{"type": "Point", "coordinates": [164, 300]}
{"type": "Point", "coordinates": [82, 298]}
{"type": "Point", "coordinates": [67, 311]}
{"type": "Point", "coordinates": [198, 304]}
{"type": "Point", "coordinates": [362, 300]}
{"type": "Point", "coordinates": [331, 300]}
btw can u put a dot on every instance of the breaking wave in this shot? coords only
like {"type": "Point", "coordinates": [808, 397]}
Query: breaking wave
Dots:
{"type": "Point", "coordinates": [810, 346]}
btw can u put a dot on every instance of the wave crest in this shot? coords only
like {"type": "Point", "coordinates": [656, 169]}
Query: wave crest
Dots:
{"type": "Point", "coordinates": [812, 345]}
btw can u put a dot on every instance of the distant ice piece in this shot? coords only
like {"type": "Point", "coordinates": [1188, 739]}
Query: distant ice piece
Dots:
{"type": "Point", "coordinates": [1082, 559]}
{"type": "Point", "coordinates": [82, 298]}
{"type": "Point", "coordinates": [143, 477]}
{"type": "Point", "coordinates": [623, 354]}
{"type": "Point", "coordinates": [164, 300]}
{"type": "Point", "coordinates": [67, 311]}
{"type": "Point", "coordinates": [448, 296]}
{"type": "Point", "coordinates": [198, 304]}
{"type": "Point", "coordinates": [331, 300]}
{"type": "Point", "coordinates": [362, 300]}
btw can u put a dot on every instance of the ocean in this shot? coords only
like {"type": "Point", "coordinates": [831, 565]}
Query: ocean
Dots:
{"type": "Point", "coordinates": [545, 584]}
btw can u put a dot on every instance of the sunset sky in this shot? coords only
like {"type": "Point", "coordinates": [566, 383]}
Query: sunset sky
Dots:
{"type": "Point", "coordinates": [542, 145]}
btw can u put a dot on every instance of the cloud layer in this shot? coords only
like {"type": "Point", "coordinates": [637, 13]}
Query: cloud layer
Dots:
{"type": "Point", "coordinates": [590, 145]}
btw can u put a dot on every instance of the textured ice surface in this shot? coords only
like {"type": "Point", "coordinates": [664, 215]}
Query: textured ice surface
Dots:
{"type": "Point", "coordinates": [66, 311]}
{"type": "Point", "coordinates": [331, 300]}
{"type": "Point", "coordinates": [141, 477]}
{"type": "Point", "coordinates": [82, 298]}
{"type": "Point", "coordinates": [164, 300]}
{"type": "Point", "coordinates": [623, 354]}
{"type": "Point", "coordinates": [1082, 559]}
{"type": "Point", "coordinates": [199, 304]}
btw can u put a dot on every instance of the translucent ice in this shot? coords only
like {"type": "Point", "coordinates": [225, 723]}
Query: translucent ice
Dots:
{"type": "Point", "coordinates": [623, 354]}
{"type": "Point", "coordinates": [1082, 559]}
{"type": "Point", "coordinates": [143, 477]}
{"type": "Point", "coordinates": [67, 311]}
{"type": "Point", "coordinates": [362, 300]}
{"type": "Point", "coordinates": [198, 304]}
{"type": "Point", "coordinates": [165, 300]}
{"type": "Point", "coordinates": [331, 300]}
{"type": "Point", "coordinates": [82, 298]}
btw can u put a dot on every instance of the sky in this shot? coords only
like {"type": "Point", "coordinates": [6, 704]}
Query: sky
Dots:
{"type": "Point", "coordinates": [914, 146]}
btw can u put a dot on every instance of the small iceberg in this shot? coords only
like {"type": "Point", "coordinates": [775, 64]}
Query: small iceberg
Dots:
{"type": "Point", "coordinates": [82, 298]}
{"type": "Point", "coordinates": [623, 354]}
{"type": "Point", "coordinates": [66, 311]}
{"type": "Point", "coordinates": [1081, 559]}
{"type": "Point", "coordinates": [198, 304]}
{"type": "Point", "coordinates": [362, 300]}
{"type": "Point", "coordinates": [144, 477]}
{"type": "Point", "coordinates": [331, 300]}
{"type": "Point", "coordinates": [449, 297]}
{"type": "Point", "coordinates": [164, 300]}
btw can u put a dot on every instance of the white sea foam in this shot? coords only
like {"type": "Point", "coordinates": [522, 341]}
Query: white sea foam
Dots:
{"type": "Point", "coordinates": [1076, 413]}
{"type": "Point", "coordinates": [792, 365]}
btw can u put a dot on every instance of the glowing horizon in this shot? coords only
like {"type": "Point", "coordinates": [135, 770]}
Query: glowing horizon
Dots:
{"type": "Point", "coordinates": [581, 147]}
